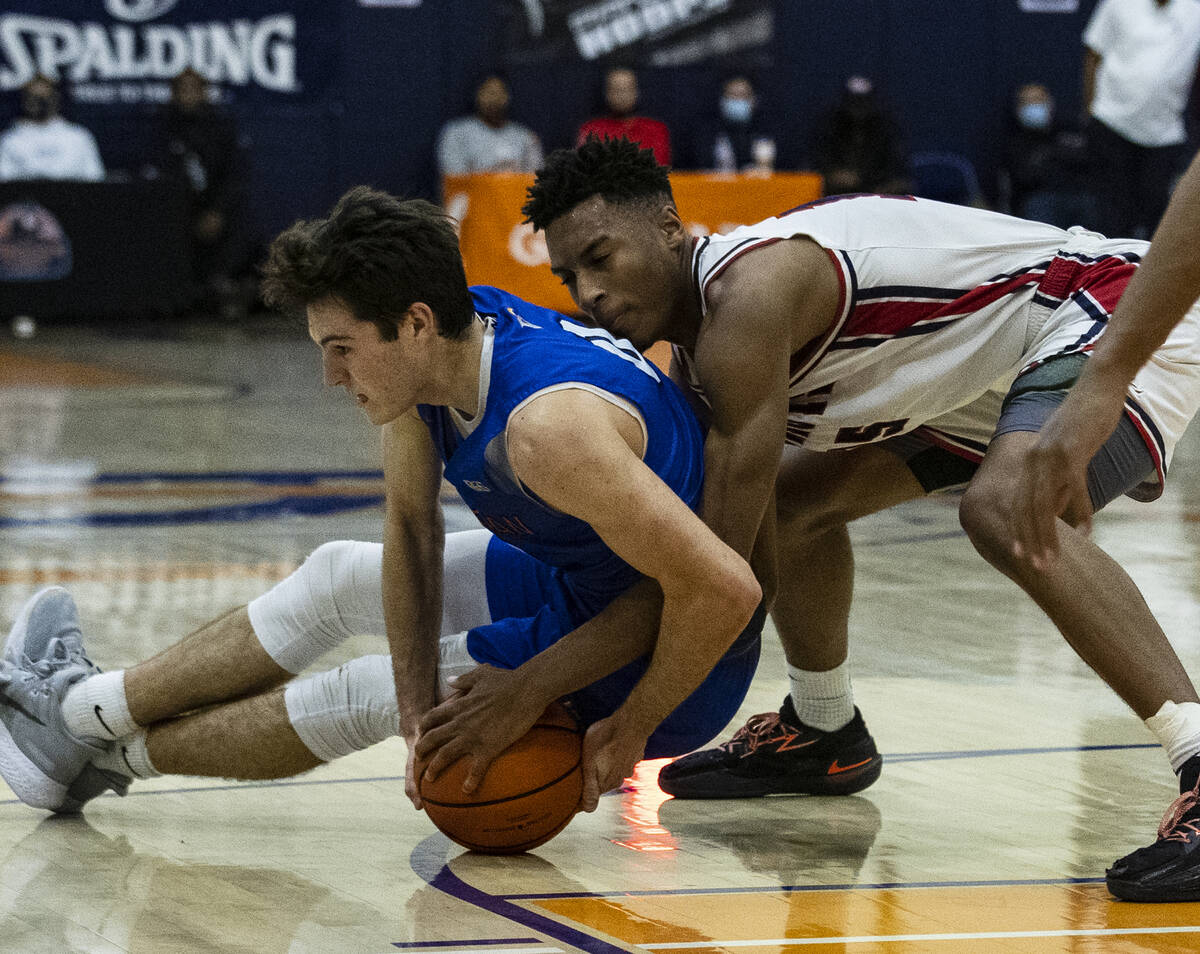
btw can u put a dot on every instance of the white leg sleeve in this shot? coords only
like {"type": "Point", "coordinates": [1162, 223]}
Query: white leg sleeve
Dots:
{"type": "Point", "coordinates": [338, 592]}
{"type": "Point", "coordinates": [354, 706]}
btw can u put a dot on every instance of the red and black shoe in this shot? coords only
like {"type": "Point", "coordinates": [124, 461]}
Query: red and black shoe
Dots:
{"type": "Point", "coordinates": [776, 754]}
{"type": "Point", "coordinates": [1169, 869]}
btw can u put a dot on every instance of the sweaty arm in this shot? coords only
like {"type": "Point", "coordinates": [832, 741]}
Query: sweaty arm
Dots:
{"type": "Point", "coordinates": [581, 455]}
{"type": "Point", "coordinates": [413, 541]}
{"type": "Point", "coordinates": [1165, 286]}
{"type": "Point", "coordinates": [767, 304]}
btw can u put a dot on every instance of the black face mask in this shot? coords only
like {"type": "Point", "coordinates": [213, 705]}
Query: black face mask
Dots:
{"type": "Point", "coordinates": [37, 108]}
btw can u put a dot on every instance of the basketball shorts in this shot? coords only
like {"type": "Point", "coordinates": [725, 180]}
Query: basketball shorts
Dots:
{"type": "Point", "coordinates": [1121, 466]}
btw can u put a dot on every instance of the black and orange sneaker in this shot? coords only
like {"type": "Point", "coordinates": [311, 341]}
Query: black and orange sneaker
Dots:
{"type": "Point", "coordinates": [1169, 869]}
{"type": "Point", "coordinates": [775, 753]}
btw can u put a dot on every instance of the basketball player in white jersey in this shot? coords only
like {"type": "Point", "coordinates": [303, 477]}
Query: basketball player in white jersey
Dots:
{"type": "Point", "coordinates": [866, 350]}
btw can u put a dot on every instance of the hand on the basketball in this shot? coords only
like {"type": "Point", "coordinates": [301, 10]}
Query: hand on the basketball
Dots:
{"type": "Point", "coordinates": [610, 754]}
{"type": "Point", "coordinates": [491, 708]}
{"type": "Point", "coordinates": [412, 777]}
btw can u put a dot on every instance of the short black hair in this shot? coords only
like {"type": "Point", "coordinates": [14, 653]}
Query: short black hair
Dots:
{"type": "Point", "coordinates": [376, 254]}
{"type": "Point", "coordinates": [617, 170]}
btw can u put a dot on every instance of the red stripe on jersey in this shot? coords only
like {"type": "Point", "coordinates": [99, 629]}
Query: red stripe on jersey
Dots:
{"type": "Point", "coordinates": [890, 317]}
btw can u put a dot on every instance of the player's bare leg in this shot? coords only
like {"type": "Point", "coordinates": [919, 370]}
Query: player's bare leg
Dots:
{"type": "Point", "coordinates": [222, 660]}
{"type": "Point", "coordinates": [817, 743]}
{"type": "Point", "coordinates": [1100, 611]}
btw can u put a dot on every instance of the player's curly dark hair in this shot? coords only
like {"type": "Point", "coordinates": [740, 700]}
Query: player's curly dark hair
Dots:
{"type": "Point", "coordinates": [376, 254]}
{"type": "Point", "coordinates": [617, 170]}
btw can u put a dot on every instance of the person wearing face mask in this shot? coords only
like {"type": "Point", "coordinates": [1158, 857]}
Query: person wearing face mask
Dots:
{"type": "Point", "coordinates": [858, 146]}
{"type": "Point", "coordinates": [1046, 169]}
{"type": "Point", "coordinates": [735, 140]}
{"type": "Point", "coordinates": [43, 145]}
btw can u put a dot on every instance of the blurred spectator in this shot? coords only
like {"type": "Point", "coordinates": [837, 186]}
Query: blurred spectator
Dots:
{"type": "Point", "coordinates": [1138, 68]}
{"type": "Point", "coordinates": [620, 98]}
{"type": "Point", "coordinates": [43, 145]}
{"type": "Point", "coordinates": [858, 146]}
{"type": "Point", "coordinates": [1046, 170]}
{"type": "Point", "coordinates": [735, 140]}
{"type": "Point", "coordinates": [200, 147]}
{"type": "Point", "coordinates": [488, 141]}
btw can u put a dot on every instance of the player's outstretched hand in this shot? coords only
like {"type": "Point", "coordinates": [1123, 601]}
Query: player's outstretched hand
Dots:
{"type": "Point", "coordinates": [611, 751]}
{"type": "Point", "coordinates": [491, 708]}
{"type": "Point", "coordinates": [1053, 482]}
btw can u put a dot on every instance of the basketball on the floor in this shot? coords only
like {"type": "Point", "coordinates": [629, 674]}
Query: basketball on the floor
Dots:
{"type": "Point", "coordinates": [527, 797]}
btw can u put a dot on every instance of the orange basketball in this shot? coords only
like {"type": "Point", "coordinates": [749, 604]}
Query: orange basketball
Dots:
{"type": "Point", "coordinates": [527, 797]}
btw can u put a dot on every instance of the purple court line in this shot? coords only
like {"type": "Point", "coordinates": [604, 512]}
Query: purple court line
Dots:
{"type": "Point", "coordinates": [471, 943]}
{"type": "Point", "coordinates": [896, 757]}
{"type": "Point", "coordinates": [428, 861]}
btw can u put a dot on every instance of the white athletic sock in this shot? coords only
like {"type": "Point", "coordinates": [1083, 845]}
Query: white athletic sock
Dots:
{"type": "Point", "coordinates": [129, 757]}
{"type": "Point", "coordinates": [96, 708]}
{"type": "Point", "coordinates": [822, 699]}
{"type": "Point", "coordinates": [1177, 728]}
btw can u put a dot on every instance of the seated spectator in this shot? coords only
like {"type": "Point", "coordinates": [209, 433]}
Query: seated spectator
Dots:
{"type": "Point", "coordinates": [620, 99]}
{"type": "Point", "coordinates": [199, 146]}
{"type": "Point", "coordinates": [488, 141]}
{"type": "Point", "coordinates": [735, 140]}
{"type": "Point", "coordinates": [859, 147]}
{"type": "Point", "coordinates": [1046, 169]}
{"type": "Point", "coordinates": [43, 145]}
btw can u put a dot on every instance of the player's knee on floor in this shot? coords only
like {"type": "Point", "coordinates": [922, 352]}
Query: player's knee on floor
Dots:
{"type": "Point", "coordinates": [346, 709]}
{"type": "Point", "coordinates": [336, 593]}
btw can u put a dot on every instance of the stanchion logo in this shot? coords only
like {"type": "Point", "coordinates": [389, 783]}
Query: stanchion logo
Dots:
{"type": "Point", "coordinates": [33, 246]}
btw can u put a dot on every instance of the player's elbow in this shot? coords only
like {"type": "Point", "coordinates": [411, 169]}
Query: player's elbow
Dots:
{"type": "Point", "coordinates": [737, 593]}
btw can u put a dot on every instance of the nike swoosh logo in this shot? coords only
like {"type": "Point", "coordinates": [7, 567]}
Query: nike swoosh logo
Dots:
{"type": "Point", "coordinates": [9, 701]}
{"type": "Point", "coordinates": [125, 759]}
{"type": "Point", "coordinates": [836, 767]}
{"type": "Point", "coordinates": [98, 710]}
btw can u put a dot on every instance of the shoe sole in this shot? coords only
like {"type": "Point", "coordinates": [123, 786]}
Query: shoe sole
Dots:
{"type": "Point", "coordinates": [1128, 891]}
{"type": "Point", "coordinates": [844, 783]}
{"type": "Point", "coordinates": [28, 782]}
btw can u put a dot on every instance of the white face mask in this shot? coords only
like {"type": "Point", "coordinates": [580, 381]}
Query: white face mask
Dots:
{"type": "Point", "coordinates": [736, 110]}
{"type": "Point", "coordinates": [1034, 115]}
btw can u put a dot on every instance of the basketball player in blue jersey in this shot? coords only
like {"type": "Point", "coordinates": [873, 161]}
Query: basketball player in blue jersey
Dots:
{"type": "Point", "coordinates": [581, 461]}
{"type": "Point", "coordinates": [866, 350]}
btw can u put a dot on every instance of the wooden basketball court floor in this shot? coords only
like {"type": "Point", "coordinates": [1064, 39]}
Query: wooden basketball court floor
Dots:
{"type": "Point", "coordinates": [164, 480]}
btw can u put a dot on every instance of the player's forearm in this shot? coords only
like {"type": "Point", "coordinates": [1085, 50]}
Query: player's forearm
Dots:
{"type": "Point", "coordinates": [624, 631]}
{"type": "Point", "coordinates": [698, 626]}
{"type": "Point", "coordinates": [412, 610]}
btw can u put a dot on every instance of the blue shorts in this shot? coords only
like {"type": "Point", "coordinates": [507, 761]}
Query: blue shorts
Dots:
{"type": "Point", "coordinates": [532, 607]}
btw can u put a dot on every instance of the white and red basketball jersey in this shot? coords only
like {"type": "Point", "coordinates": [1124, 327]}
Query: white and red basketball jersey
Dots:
{"type": "Point", "coordinates": [941, 307]}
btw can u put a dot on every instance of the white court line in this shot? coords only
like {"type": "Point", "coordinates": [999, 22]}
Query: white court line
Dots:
{"type": "Point", "coordinates": [882, 938]}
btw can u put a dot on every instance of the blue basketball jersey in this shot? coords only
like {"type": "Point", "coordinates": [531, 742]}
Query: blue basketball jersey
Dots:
{"type": "Point", "coordinates": [533, 350]}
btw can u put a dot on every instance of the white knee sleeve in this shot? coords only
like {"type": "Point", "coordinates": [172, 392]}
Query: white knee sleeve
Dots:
{"type": "Point", "coordinates": [354, 706]}
{"type": "Point", "coordinates": [345, 709]}
{"type": "Point", "coordinates": [336, 593]}
{"type": "Point", "coordinates": [464, 583]}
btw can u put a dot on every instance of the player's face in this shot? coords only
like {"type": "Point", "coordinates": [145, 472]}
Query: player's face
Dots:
{"type": "Point", "coordinates": [378, 374]}
{"type": "Point", "coordinates": [621, 265]}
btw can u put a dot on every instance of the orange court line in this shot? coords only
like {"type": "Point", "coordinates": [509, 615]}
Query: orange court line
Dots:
{"type": "Point", "coordinates": [146, 572]}
{"type": "Point", "coordinates": [24, 370]}
{"type": "Point", "coordinates": [199, 489]}
{"type": "Point", "coordinates": [969, 919]}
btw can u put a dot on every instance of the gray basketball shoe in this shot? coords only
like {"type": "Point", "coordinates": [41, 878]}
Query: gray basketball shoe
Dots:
{"type": "Point", "coordinates": [44, 764]}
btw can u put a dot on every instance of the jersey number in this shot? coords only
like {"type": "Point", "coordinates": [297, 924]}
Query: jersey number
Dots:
{"type": "Point", "coordinates": [618, 346]}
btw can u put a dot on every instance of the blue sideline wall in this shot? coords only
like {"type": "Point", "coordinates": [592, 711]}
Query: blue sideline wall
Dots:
{"type": "Point", "coordinates": [946, 67]}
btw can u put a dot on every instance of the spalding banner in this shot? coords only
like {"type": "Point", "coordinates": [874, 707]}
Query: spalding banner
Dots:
{"type": "Point", "coordinates": [126, 51]}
